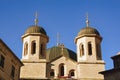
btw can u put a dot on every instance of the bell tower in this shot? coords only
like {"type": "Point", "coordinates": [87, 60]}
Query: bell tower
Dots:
{"type": "Point", "coordinates": [34, 40]}
{"type": "Point", "coordinates": [89, 58]}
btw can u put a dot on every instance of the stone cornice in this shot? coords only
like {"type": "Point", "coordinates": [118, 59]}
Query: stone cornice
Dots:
{"type": "Point", "coordinates": [35, 34]}
{"type": "Point", "coordinates": [96, 62]}
{"type": "Point", "coordinates": [87, 35]}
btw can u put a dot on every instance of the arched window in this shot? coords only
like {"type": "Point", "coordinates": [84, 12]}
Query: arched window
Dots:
{"type": "Point", "coordinates": [52, 74]}
{"type": "Point", "coordinates": [81, 50]}
{"type": "Point", "coordinates": [89, 48]}
{"type": "Point", "coordinates": [33, 47]}
{"type": "Point", "coordinates": [41, 50]}
{"type": "Point", "coordinates": [61, 69]}
{"type": "Point", "coordinates": [25, 49]}
{"type": "Point", "coordinates": [72, 73]}
{"type": "Point", "coordinates": [98, 51]}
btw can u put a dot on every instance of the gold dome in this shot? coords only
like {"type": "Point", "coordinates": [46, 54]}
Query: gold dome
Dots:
{"type": "Point", "coordinates": [35, 29]}
{"type": "Point", "coordinates": [58, 51]}
{"type": "Point", "coordinates": [88, 30]}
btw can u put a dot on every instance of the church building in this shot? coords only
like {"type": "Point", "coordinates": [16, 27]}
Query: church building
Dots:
{"type": "Point", "coordinates": [59, 62]}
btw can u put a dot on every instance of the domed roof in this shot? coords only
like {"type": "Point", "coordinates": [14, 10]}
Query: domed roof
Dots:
{"type": "Point", "coordinates": [35, 29]}
{"type": "Point", "coordinates": [58, 51]}
{"type": "Point", "coordinates": [88, 30]}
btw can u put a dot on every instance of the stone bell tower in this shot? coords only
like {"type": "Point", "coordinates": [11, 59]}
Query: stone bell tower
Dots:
{"type": "Point", "coordinates": [34, 40]}
{"type": "Point", "coordinates": [89, 56]}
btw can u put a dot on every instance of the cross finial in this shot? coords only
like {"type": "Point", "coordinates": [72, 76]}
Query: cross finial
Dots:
{"type": "Point", "coordinates": [87, 21]}
{"type": "Point", "coordinates": [36, 18]}
{"type": "Point", "coordinates": [58, 39]}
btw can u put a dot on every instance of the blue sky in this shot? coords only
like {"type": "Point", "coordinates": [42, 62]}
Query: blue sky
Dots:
{"type": "Point", "coordinates": [64, 16]}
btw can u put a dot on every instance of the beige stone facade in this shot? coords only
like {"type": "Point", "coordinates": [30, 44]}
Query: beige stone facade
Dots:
{"type": "Point", "coordinates": [68, 64]}
{"type": "Point", "coordinates": [59, 62]}
{"type": "Point", "coordinates": [90, 70]}
{"type": "Point", "coordinates": [90, 62]}
{"type": "Point", "coordinates": [9, 63]}
{"type": "Point", "coordinates": [34, 61]}
{"type": "Point", "coordinates": [33, 70]}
